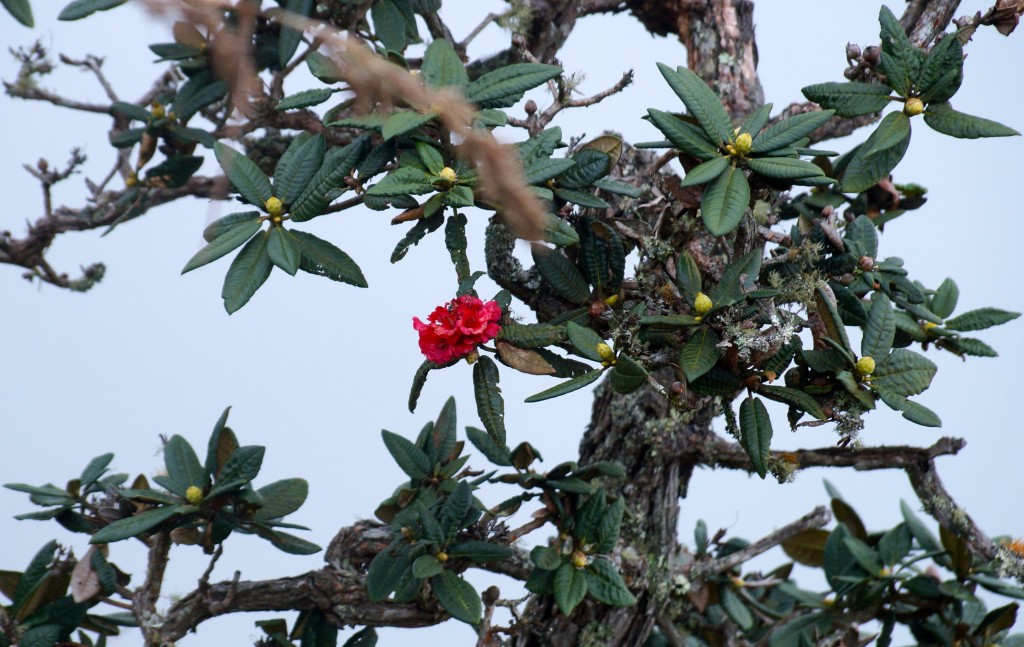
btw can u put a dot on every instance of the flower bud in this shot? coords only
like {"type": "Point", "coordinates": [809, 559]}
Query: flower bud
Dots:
{"type": "Point", "coordinates": [605, 351]}
{"type": "Point", "coordinates": [579, 560]}
{"type": "Point", "coordinates": [928, 325]}
{"type": "Point", "coordinates": [866, 263]}
{"type": "Point", "coordinates": [743, 143]}
{"type": "Point", "coordinates": [872, 54]}
{"type": "Point", "coordinates": [865, 366]}
{"type": "Point", "coordinates": [194, 494]}
{"type": "Point", "coordinates": [913, 107]}
{"type": "Point", "coordinates": [852, 51]}
{"type": "Point", "coordinates": [273, 207]}
{"type": "Point", "coordinates": [448, 174]}
{"type": "Point", "coordinates": [530, 107]}
{"type": "Point", "coordinates": [442, 557]}
{"type": "Point", "coordinates": [158, 111]}
{"type": "Point", "coordinates": [702, 304]}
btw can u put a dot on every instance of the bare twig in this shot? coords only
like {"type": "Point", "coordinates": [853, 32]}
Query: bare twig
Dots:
{"type": "Point", "coordinates": [93, 64]}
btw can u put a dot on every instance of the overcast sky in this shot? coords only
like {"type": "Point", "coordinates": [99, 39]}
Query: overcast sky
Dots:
{"type": "Point", "coordinates": [315, 369]}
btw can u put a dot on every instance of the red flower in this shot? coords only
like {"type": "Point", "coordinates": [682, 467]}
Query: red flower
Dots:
{"type": "Point", "coordinates": [457, 328]}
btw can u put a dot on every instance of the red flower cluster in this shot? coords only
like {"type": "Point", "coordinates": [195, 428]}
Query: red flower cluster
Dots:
{"type": "Point", "coordinates": [457, 328]}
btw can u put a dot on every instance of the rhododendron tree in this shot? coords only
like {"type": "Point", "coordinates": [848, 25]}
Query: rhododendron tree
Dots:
{"type": "Point", "coordinates": [730, 268]}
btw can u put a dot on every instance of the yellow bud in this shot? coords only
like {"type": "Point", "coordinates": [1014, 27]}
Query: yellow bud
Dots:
{"type": "Point", "coordinates": [865, 366]}
{"type": "Point", "coordinates": [472, 357]}
{"type": "Point", "coordinates": [928, 325]}
{"type": "Point", "coordinates": [612, 299]}
{"type": "Point", "coordinates": [274, 207]}
{"type": "Point", "coordinates": [132, 179]}
{"type": "Point", "coordinates": [605, 351]}
{"type": "Point", "coordinates": [579, 560]}
{"type": "Point", "coordinates": [743, 143]}
{"type": "Point", "coordinates": [442, 557]}
{"type": "Point", "coordinates": [913, 107]}
{"type": "Point", "coordinates": [158, 111]}
{"type": "Point", "coordinates": [702, 304]}
{"type": "Point", "coordinates": [448, 174]}
{"type": "Point", "coordinates": [194, 494]}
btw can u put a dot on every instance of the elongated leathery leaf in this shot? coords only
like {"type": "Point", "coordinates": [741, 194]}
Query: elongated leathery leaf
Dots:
{"type": "Point", "coordinates": [700, 101]}
{"type": "Point", "coordinates": [942, 118]}
{"type": "Point", "coordinates": [849, 99]}
{"type": "Point", "coordinates": [706, 172]}
{"type": "Point", "coordinates": [134, 525]}
{"type": "Point", "coordinates": [576, 383]}
{"type": "Point", "coordinates": [409, 457]}
{"type": "Point", "coordinates": [506, 85]}
{"type": "Point", "coordinates": [901, 61]}
{"type": "Point", "coordinates": [700, 353]}
{"type": "Point", "coordinates": [337, 163]}
{"type": "Point", "coordinates": [789, 131]}
{"type": "Point", "coordinates": [228, 241]}
{"type": "Point", "coordinates": [725, 201]}
{"type": "Point", "coordinates": [561, 274]}
{"type": "Point", "coordinates": [324, 259]}
{"type": "Point", "coordinates": [881, 328]}
{"type": "Point", "coordinates": [297, 166]}
{"type": "Point", "coordinates": [283, 250]}
{"type": "Point", "coordinates": [245, 176]}
{"type": "Point", "coordinates": [458, 597]}
{"type": "Point", "coordinates": [490, 405]}
{"type": "Point", "coordinates": [683, 135]}
{"type": "Point", "coordinates": [756, 433]}
{"type": "Point", "coordinates": [247, 273]}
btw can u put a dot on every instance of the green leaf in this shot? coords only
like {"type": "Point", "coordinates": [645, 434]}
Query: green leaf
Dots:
{"type": "Point", "coordinates": [688, 276]}
{"type": "Point", "coordinates": [619, 187]}
{"type": "Point", "coordinates": [297, 166]}
{"type": "Point", "coordinates": [700, 101]}
{"type": "Point", "coordinates": [481, 552]}
{"type": "Point", "coordinates": [895, 544]}
{"type": "Point", "coordinates": [921, 533]}
{"type": "Point", "coordinates": [590, 166]}
{"type": "Point", "coordinates": [980, 319]}
{"type": "Point", "coordinates": [893, 129]}
{"type": "Point", "coordinates": [504, 86]}
{"type": "Point", "coordinates": [585, 340]}
{"type": "Point", "coordinates": [849, 99]}
{"type": "Point", "coordinates": [183, 465]}
{"type": "Point", "coordinates": [458, 597]}
{"type": "Point", "coordinates": [198, 92]}
{"type": "Point", "coordinates": [605, 584]}
{"type": "Point", "coordinates": [942, 71]}
{"type": "Point", "coordinates": [34, 575]}
{"type": "Point", "coordinates": [135, 525]}
{"type": "Point", "coordinates": [568, 386]}
{"type": "Point", "coordinates": [426, 566]}
{"type": "Point", "coordinates": [289, 39]}
{"type": "Point", "coordinates": [323, 68]}
{"type": "Point", "coordinates": [81, 8]}
{"type": "Point", "coordinates": [735, 609]}
{"type": "Point", "coordinates": [338, 163]}
{"type": "Point", "coordinates": [324, 259]}
{"type": "Point", "coordinates": [683, 135]}
{"type": "Point", "coordinates": [784, 168]}
{"type": "Point", "coordinates": [755, 121]}
{"type": "Point", "coordinates": [807, 547]}
{"type": "Point", "coordinates": [969, 346]}
{"type": "Point", "coordinates": [827, 309]}
{"type": "Point", "coordinates": [903, 372]}
{"type": "Point", "coordinates": [533, 335]}
{"type": "Point", "coordinates": [247, 273]}
{"type": "Point", "coordinates": [442, 67]}
{"type": "Point", "coordinates": [387, 570]}
{"type": "Point", "coordinates": [230, 236]}
{"type": "Point", "coordinates": [245, 176]}
{"type": "Point", "coordinates": [409, 457]}
{"type": "Point", "coordinates": [21, 10]}
{"type": "Point", "coordinates": [389, 24]}
{"type": "Point", "coordinates": [403, 181]}
{"type": "Point", "coordinates": [582, 198]}
{"type": "Point", "coordinates": [366, 637]}
{"type": "Point", "coordinates": [404, 121]}
{"type": "Point", "coordinates": [790, 131]}
{"type": "Point", "coordinates": [283, 250]}
{"type": "Point", "coordinates": [291, 544]}
{"type": "Point", "coordinates": [41, 636]}
{"type": "Point", "coordinates": [241, 467]}
{"type": "Point", "coordinates": [864, 170]}
{"type": "Point", "coordinates": [628, 375]}
{"type": "Point", "coordinates": [793, 397]}
{"type": "Point", "coordinates": [881, 328]}
{"type": "Point", "coordinates": [865, 556]}
{"type": "Point", "coordinates": [942, 118]}
{"type": "Point", "coordinates": [700, 353]}
{"type": "Point", "coordinates": [725, 201]}
{"type": "Point", "coordinates": [558, 232]}
{"type": "Point", "coordinates": [920, 414]}
{"type": "Point", "coordinates": [705, 172]}
{"type": "Point", "coordinates": [862, 234]}
{"type": "Point", "coordinates": [454, 510]}
{"type": "Point", "coordinates": [490, 405]}
{"type": "Point", "coordinates": [497, 454]}
{"type": "Point", "coordinates": [944, 300]}
{"type": "Point", "coordinates": [901, 61]}
{"type": "Point", "coordinates": [543, 170]}
{"type": "Point", "coordinates": [94, 470]}
{"type": "Point", "coordinates": [570, 586]}
{"type": "Point", "coordinates": [431, 157]}
{"type": "Point", "coordinates": [281, 498]}
{"type": "Point", "coordinates": [561, 274]}
{"type": "Point", "coordinates": [756, 433]}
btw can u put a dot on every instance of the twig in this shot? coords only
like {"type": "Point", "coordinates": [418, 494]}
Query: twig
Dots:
{"type": "Point", "coordinates": [94, 64]}
{"type": "Point", "coordinates": [590, 7]}
{"type": "Point", "coordinates": [527, 528]}
{"type": "Point", "coordinates": [204, 581]}
{"type": "Point", "coordinates": [491, 17]}
{"type": "Point", "coordinates": [38, 94]}
{"type": "Point", "coordinates": [814, 519]}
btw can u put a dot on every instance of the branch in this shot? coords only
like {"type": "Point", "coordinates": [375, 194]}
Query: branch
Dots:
{"type": "Point", "coordinates": [834, 128]}
{"type": "Point", "coordinates": [590, 7]}
{"type": "Point", "coordinates": [814, 519]}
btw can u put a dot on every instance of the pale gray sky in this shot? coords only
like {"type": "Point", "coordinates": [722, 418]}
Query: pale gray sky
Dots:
{"type": "Point", "coordinates": [314, 369]}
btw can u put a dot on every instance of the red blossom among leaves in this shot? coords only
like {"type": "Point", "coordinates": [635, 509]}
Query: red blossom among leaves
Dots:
{"type": "Point", "coordinates": [457, 328]}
